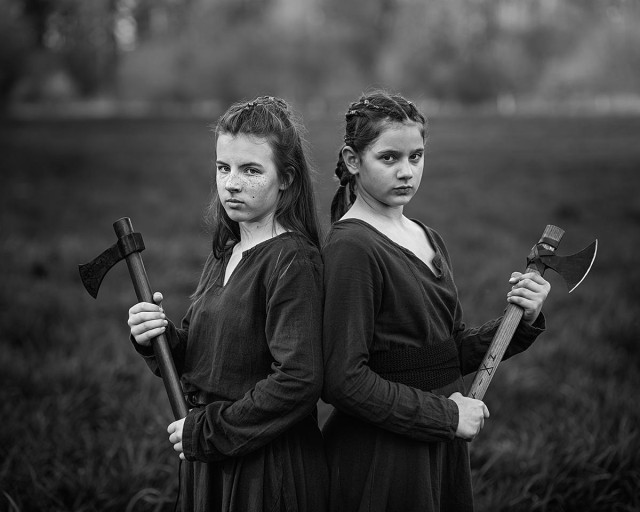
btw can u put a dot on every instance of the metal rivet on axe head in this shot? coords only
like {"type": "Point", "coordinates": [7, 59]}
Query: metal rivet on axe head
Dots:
{"type": "Point", "coordinates": [128, 247]}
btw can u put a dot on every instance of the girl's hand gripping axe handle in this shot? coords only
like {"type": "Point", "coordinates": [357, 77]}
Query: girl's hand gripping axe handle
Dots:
{"type": "Point", "coordinates": [128, 247]}
{"type": "Point", "coordinates": [573, 270]}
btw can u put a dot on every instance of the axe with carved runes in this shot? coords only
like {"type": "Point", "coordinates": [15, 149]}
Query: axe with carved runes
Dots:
{"type": "Point", "coordinates": [129, 246]}
{"type": "Point", "coordinates": [573, 270]}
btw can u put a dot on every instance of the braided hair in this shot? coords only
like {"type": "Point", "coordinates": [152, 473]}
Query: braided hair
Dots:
{"type": "Point", "coordinates": [365, 121]}
{"type": "Point", "coordinates": [272, 119]}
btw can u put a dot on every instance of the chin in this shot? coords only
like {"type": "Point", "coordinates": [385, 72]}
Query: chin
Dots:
{"type": "Point", "coordinates": [235, 215]}
{"type": "Point", "coordinates": [400, 200]}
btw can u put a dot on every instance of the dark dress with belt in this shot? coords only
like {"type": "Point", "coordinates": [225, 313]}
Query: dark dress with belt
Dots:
{"type": "Point", "coordinates": [250, 360]}
{"type": "Point", "coordinates": [395, 348]}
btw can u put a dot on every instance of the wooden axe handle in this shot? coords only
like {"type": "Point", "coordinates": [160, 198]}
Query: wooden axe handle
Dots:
{"type": "Point", "coordinates": [160, 344]}
{"type": "Point", "coordinates": [510, 321]}
{"type": "Point", "coordinates": [498, 347]}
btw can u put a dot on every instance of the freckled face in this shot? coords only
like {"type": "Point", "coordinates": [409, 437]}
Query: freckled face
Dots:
{"type": "Point", "coordinates": [390, 169]}
{"type": "Point", "coordinates": [246, 178]}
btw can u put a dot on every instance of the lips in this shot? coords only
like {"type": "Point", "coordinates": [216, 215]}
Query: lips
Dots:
{"type": "Point", "coordinates": [403, 190]}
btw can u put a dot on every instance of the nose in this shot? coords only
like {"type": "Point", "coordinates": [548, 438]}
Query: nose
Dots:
{"type": "Point", "coordinates": [233, 182]}
{"type": "Point", "coordinates": [405, 170]}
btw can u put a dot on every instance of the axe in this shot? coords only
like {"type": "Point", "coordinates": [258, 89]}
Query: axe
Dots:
{"type": "Point", "coordinates": [128, 247]}
{"type": "Point", "coordinates": [573, 270]}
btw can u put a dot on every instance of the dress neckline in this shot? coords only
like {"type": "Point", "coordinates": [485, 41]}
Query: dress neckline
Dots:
{"type": "Point", "coordinates": [261, 244]}
{"type": "Point", "coordinates": [437, 257]}
{"type": "Point", "coordinates": [245, 254]}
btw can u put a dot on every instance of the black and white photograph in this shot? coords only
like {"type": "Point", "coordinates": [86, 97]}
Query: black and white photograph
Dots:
{"type": "Point", "coordinates": [319, 255]}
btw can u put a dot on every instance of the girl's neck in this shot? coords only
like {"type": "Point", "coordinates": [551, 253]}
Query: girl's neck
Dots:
{"type": "Point", "coordinates": [254, 233]}
{"type": "Point", "coordinates": [376, 216]}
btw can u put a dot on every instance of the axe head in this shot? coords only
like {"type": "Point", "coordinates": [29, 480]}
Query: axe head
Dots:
{"type": "Point", "coordinates": [128, 242]}
{"type": "Point", "coordinates": [93, 273]}
{"type": "Point", "coordinates": [574, 268]}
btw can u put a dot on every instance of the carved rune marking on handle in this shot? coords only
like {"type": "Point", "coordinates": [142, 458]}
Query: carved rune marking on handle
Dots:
{"type": "Point", "coordinates": [487, 369]}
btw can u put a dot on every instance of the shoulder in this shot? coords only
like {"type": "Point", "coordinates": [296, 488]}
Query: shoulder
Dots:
{"type": "Point", "coordinates": [291, 259]}
{"type": "Point", "coordinates": [211, 262]}
{"type": "Point", "coordinates": [294, 248]}
{"type": "Point", "coordinates": [349, 237]}
{"type": "Point", "coordinates": [353, 249]}
{"type": "Point", "coordinates": [435, 238]}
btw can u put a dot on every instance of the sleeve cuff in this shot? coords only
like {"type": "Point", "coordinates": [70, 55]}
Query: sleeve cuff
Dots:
{"type": "Point", "coordinates": [455, 417]}
{"type": "Point", "coordinates": [536, 327]}
{"type": "Point", "coordinates": [144, 351]}
{"type": "Point", "coordinates": [192, 430]}
{"type": "Point", "coordinates": [188, 430]}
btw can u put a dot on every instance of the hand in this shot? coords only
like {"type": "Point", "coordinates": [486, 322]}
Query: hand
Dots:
{"type": "Point", "coordinates": [471, 416]}
{"type": "Point", "coordinates": [175, 436]}
{"type": "Point", "coordinates": [529, 291]}
{"type": "Point", "coordinates": [147, 320]}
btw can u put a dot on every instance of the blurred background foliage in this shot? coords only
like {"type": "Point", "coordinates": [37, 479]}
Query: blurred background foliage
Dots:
{"type": "Point", "coordinates": [507, 53]}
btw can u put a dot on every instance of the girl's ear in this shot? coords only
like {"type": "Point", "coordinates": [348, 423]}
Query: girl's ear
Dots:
{"type": "Point", "coordinates": [351, 160]}
{"type": "Point", "coordinates": [287, 178]}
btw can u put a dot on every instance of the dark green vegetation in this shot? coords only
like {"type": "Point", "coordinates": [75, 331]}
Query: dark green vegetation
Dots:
{"type": "Point", "coordinates": [83, 421]}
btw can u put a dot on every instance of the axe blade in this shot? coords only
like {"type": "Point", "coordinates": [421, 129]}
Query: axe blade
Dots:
{"type": "Point", "coordinates": [93, 272]}
{"type": "Point", "coordinates": [574, 268]}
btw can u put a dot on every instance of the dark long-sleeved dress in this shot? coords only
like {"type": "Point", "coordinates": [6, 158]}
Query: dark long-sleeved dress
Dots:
{"type": "Point", "coordinates": [249, 356]}
{"type": "Point", "coordinates": [395, 348]}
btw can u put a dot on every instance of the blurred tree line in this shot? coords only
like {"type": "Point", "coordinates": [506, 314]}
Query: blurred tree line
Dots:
{"type": "Point", "coordinates": [463, 51]}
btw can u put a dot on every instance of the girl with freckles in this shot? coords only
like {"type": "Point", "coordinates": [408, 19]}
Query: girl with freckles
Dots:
{"type": "Point", "coordinates": [395, 345]}
{"type": "Point", "coordinates": [249, 347]}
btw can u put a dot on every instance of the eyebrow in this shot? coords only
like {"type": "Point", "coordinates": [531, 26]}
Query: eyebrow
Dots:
{"type": "Point", "coordinates": [395, 151]}
{"type": "Point", "coordinates": [247, 164]}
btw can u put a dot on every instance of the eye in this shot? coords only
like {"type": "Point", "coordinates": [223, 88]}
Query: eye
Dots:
{"type": "Point", "coordinates": [222, 168]}
{"type": "Point", "coordinates": [416, 157]}
{"type": "Point", "coordinates": [388, 157]}
{"type": "Point", "coordinates": [252, 171]}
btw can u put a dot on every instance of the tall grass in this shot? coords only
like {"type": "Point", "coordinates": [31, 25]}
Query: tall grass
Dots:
{"type": "Point", "coordinates": [83, 420]}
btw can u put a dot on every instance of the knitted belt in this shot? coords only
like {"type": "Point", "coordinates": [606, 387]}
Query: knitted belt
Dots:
{"type": "Point", "coordinates": [425, 368]}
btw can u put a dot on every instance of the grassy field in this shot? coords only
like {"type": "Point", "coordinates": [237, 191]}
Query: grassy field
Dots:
{"type": "Point", "coordinates": [83, 421]}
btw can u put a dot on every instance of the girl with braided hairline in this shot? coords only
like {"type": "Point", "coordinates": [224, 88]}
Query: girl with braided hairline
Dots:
{"type": "Point", "coordinates": [394, 343]}
{"type": "Point", "coordinates": [249, 348]}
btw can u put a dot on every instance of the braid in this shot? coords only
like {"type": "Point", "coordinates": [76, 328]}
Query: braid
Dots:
{"type": "Point", "coordinates": [365, 120]}
{"type": "Point", "coordinates": [340, 204]}
{"type": "Point", "coordinates": [359, 108]}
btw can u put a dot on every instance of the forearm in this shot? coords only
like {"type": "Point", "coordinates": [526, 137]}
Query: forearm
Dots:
{"type": "Point", "coordinates": [225, 429]}
{"type": "Point", "coordinates": [473, 343]}
{"type": "Point", "coordinates": [402, 409]}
